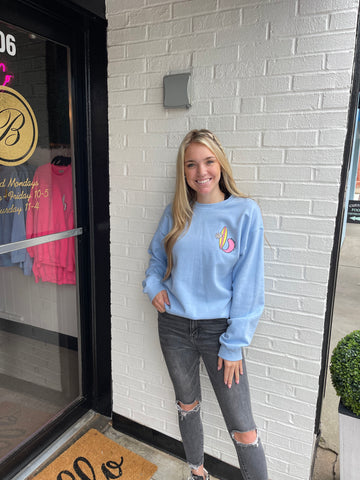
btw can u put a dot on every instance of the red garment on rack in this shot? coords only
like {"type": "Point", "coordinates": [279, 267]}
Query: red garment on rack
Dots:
{"type": "Point", "coordinates": [51, 210]}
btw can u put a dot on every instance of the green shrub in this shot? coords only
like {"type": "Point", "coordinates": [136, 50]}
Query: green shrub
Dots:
{"type": "Point", "coordinates": [345, 371]}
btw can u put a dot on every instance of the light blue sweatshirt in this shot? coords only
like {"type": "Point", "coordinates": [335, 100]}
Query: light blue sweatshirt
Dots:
{"type": "Point", "coordinates": [218, 269]}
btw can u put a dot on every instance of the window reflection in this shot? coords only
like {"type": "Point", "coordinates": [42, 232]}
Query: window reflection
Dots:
{"type": "Point", "coordinates": [39, 358]}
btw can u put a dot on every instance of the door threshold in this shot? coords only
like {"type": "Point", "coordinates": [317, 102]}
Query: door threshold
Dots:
{"type": "Point", "coordinates": [56, 446]}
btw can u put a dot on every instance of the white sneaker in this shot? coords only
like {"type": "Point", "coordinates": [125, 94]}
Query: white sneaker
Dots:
{"type": "Point", "coordinates": [199, 477]}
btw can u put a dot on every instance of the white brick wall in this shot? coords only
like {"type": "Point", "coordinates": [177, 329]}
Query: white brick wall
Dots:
{"type": "Point", "coordinates": [272, 79]}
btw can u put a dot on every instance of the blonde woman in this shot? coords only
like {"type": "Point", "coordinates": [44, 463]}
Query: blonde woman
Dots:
{"type": "Point", "coordinates": [206, 280]}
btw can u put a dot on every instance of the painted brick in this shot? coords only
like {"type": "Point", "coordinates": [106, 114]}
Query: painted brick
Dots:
{"type": "Point", "coordinates": [334, 99]}
{"type": "Point", "coordinates": [251, 104]}
{"type": "Point", "coordinates": [116, 83]}
{"type": "Point", "coordinates": [140, 111]}
{"type": "Point", "coordinates": [126, 35]}
{"type": "Point", "coordinates": [343, 20]}
{"type": "Point", "coordinates": [288, 138]}
{"type": "Point", "coordinates": [314, 119]}
{"type": "Point", "coordinates": [261, 122]}
{"type": "Point", "coordinates": [327, 174]}
{"type": "Point", "coordinates": [128, 97]}
{"type": "Point", "coordinates": [216, 56]}
{"type": "Point", "coordinates": [339, 60]}
{"type": "Point", "coordinates": [316, 274]}
{"type": "Point", "coordinates": [146, 15]}
{"type": "Point", "coordinates": [226, 105]}
{"type": "Point", "coordinates": [321, 81]}
{"type": "Point", "coordinates": [331, 137]}
{"type": "Point", "coordinates": [309, 7]}
{"type": "Point", "coordinates": [284, 270]}
{"type": "Point", "coordinates": [296, 26]}
{"type": "Point", "coordinates": [316, 306]}
{"type": "Point", "coordinates": [241, 69]}
{"type": "Point", "coordinates": [241, 34]}
{"type": "Point", "coordinates": [298, 319]}
{"type": "Point", "coordinates": [216, 21]}
{"type": "Point", "coordinates": [116, 53]}
{"type": "Point", "coordinates": [323, 156]}
{"type": "Point", "coordinates": [171, 125]}
{"type": "Point", "coordinates": [113, 6]}
{"type": "Point", "coordinates": [303, 288]}
{"type": "Point", "coordinates": [170, 29]}
{"type": "Point", "coordinates": [276, 90]}
{"type": "Point", "coordinates": [283, 206]}
{"type": "Point", "coordinates": [267, 49]}
{"type": "Point", "coordinates": [303, 257]}
{"type": "Point", "coordinates": [201, 40]}
{"type": "Point", "coordinates": [256, 189]}
{"type": "Point", "coordinates": [215, 89]}
{"type": "Point", "coordinates": [291, 102]}
{"type": "Point", "coordinates": [298, 64]}
{"type": "Point", "coordinates": [263, 156]}
{"type": "Point", "coordinates": [330, 192]}
{"type": "Point", "coordinates": [285, 172]}
{"type": "Point", "coordinates": [144, 49]}
{"type": "Point", "coordinates": [241, 139]}
{"type": "Point", "coordinates": [169, 63]}
{"type": "Point", "coordinates": [127, 66]}
{"type": "Point", "coordinates": [325, 43]}
{"type": "Point", "coordinates": [320, 243]}
{"type": "Point", "coordinates": [281, 11]}
{"type": "Point", "coordinates": [193, 7]}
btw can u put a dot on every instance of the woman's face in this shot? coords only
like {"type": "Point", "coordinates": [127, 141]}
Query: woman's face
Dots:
{"type": "Point", "coordinates": [203, 172]}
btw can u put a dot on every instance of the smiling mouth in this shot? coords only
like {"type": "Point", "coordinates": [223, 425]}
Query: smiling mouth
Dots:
{"type": "Point", "coordinates": [203, 182]}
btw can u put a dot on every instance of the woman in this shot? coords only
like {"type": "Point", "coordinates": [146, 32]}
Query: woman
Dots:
{"type": "Point", "coordinates": [206, 280]}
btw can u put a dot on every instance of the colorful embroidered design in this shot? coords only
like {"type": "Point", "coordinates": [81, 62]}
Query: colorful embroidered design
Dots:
{"type": "Point", "coordinates": [226, 244]}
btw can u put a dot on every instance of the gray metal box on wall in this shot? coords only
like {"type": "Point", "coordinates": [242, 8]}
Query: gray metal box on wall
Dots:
{"type": "Point", "coordinates": [176, 90]}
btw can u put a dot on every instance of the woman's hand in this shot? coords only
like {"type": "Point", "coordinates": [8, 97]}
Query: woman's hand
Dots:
{"type": "Point", "coordinates": [160, 300]}
{"type": "Point", "coordinates": [231, 369]}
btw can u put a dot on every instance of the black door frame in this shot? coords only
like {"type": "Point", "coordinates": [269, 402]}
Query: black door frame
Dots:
{"type": "Point", "coordinates": [340, 219]}
{"type": "Point", "coordinates": [85, 33]}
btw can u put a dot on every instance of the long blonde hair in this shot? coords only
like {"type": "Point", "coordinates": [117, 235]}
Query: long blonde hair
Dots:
{"type": "Point", "coordinates": [185, 197]}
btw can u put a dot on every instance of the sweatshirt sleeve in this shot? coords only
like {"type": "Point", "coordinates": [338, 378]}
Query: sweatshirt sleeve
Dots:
{"type": "Point", "coordinates": [154, 275]}
{"type": "Point", "coordinates": [248, 293]}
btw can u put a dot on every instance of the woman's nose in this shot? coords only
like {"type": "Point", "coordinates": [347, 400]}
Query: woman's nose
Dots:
{"type": "Point", "coordinates": [201, 169]}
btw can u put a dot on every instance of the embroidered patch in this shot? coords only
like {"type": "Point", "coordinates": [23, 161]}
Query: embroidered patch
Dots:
{"type": "Point", "coordinates": [226, 244]}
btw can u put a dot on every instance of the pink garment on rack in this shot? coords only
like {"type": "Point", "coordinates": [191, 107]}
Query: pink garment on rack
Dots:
{"type": "Point", "coordinates": [51, 210]}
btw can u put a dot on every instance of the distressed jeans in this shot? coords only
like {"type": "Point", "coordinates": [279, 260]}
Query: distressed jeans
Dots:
{"type": "Point", "coordinates": [183, 342]}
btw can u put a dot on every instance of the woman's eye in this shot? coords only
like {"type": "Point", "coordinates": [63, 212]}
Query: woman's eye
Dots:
{"type": "Point", "coordinates": [210, 162]}
{"type": "Point", "coordinates": [190, 165]}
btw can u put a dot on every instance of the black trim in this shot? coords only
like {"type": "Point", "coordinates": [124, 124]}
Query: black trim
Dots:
{"type": "Point", "coordinates": [167, 444]}
{"type": "Point", "coordinates": [345, 411]}
{"type": "Point", "coordinates": [40, 334]}
{"type": "Point", "coordinates": [99, 188]}
{"type": "Point", "coordinates": [334, 264]}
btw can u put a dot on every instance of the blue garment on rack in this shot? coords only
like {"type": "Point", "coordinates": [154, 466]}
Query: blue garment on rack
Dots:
{"type": "Point", "coordinates": [15, 186]}
{"type": "Point", "coordinates": [25, 175]}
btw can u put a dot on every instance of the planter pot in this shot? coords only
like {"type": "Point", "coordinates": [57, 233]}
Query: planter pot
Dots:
{"type": "Point", "coordinates": [349, 428]}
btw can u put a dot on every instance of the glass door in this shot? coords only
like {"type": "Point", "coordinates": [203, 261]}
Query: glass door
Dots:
{"type": "Point", "coordinates": [39, 237]}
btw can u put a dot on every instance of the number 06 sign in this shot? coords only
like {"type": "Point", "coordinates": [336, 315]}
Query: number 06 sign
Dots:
{"type": "Point", "coordinates": [18, 128]}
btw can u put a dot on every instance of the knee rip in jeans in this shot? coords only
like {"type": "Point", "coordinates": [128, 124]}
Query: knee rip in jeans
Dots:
{"type": "Point", "coordinates": [185, 409]}
{"type": "Point", "coordinates": [239, 439]}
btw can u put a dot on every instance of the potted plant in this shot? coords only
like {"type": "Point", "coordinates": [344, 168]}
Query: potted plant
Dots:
{"type": "Point", "coordinates": [345, 376]}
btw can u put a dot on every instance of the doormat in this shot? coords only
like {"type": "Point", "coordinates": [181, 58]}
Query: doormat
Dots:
{"type": "Point", "coordinates": [17, 423]}
{"type": "Point", "coordinates": [96, 457]}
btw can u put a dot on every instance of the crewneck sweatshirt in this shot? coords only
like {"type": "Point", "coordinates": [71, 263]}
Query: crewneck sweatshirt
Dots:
{"type": "Point", "coordinates": [218, 269]}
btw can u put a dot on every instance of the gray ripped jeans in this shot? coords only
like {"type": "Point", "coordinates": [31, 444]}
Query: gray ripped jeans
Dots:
{"type": "Point", "coordinates": [183, 342]}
